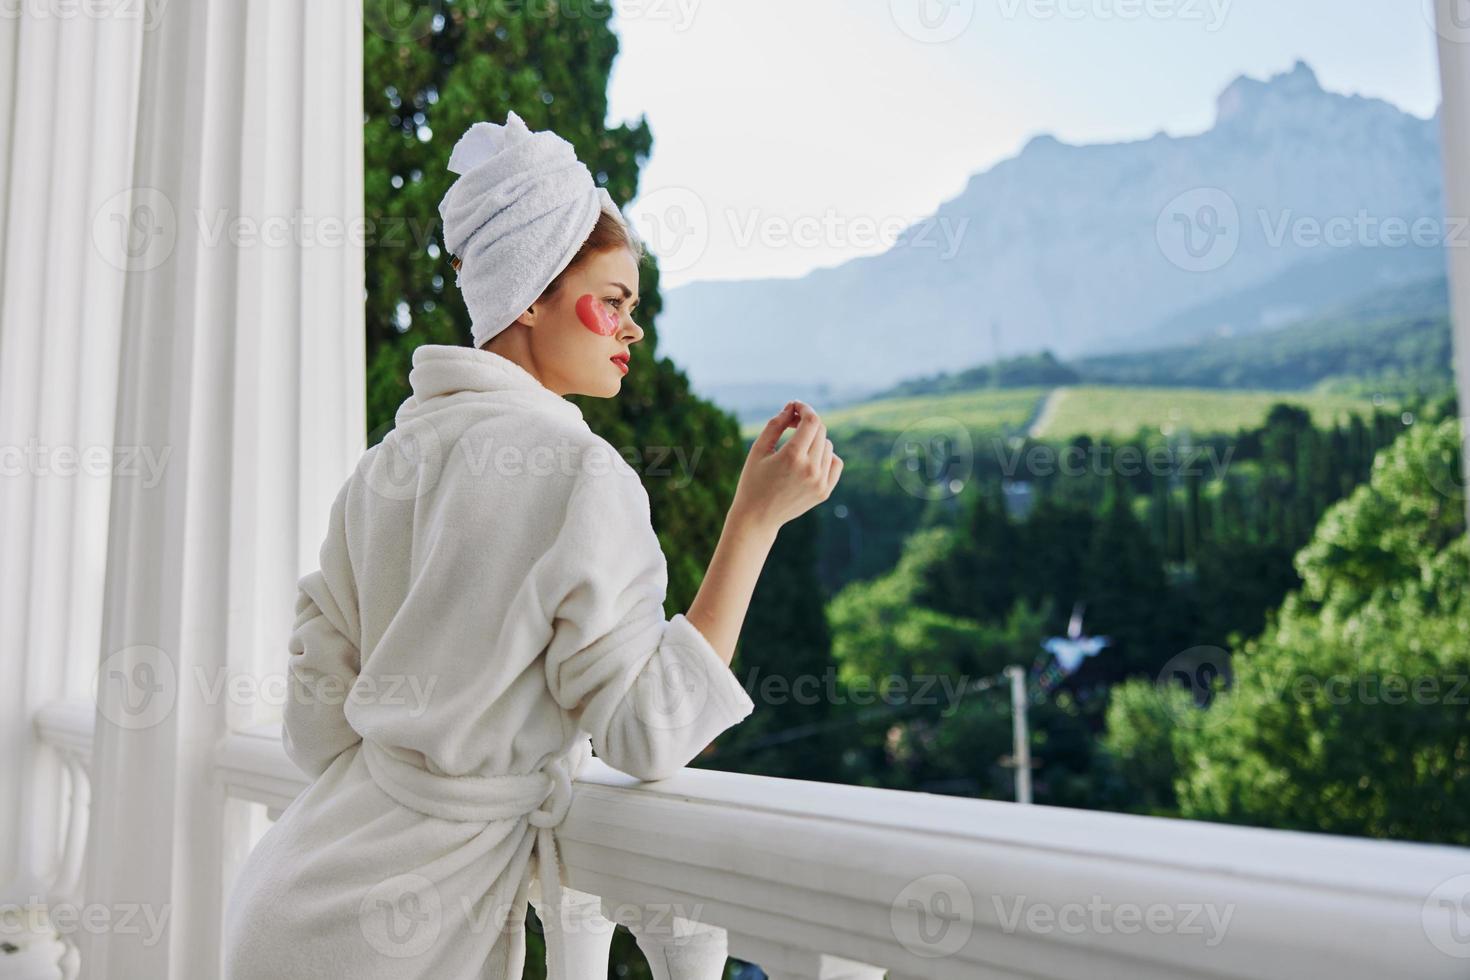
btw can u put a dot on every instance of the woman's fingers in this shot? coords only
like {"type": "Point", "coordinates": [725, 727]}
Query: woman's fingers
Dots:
{"type": "Point", "coordinates": [771, 434]}
{"type": "Point", "coordinates": [824, 470]}
{"type": "Point", "coordinates": [819, 438]}
{"type": "Point", "coordinates": [807, 432]}
{"type": "Point", "coordinates": [834, 471]}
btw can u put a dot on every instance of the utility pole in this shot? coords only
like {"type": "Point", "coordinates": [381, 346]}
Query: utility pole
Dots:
{"type": "Point", "coordinates": [1021, 734]}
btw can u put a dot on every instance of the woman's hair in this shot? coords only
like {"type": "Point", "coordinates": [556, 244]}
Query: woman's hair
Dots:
{"type": "Point", "coordinates": [609, 233]}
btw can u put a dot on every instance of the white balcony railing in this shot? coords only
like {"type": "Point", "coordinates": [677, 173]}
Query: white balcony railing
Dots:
{"type": "Point", "coordinates": [812, 880]}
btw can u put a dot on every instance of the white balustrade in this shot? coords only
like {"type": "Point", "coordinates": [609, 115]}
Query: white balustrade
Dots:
{"type": "Point", "coordinates": [815, 881]}
{"type": "Point", "coordinates": [63, 729]}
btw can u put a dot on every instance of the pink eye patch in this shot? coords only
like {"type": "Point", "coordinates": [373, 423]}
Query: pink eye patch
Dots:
{"type": "Point", "coordinates": [595, 316]}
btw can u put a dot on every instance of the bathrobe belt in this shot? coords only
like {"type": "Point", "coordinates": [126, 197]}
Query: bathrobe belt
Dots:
{"type": "Point", "coordinates": [543, 797]}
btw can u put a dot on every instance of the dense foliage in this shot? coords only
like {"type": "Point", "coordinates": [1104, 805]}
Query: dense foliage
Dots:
{"type": "Point", "coordinates": [1351, 712]}
{"type": "Point", "coordinates": [1167, 564]}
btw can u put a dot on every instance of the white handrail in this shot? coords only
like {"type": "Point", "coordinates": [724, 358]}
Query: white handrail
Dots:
{"type": "Point", "coordinates": [1050, 892]}
{"type": "Point", "coordinates": [932, 886]}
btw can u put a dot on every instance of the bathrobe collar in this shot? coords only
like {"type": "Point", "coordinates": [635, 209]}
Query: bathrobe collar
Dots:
{"type": "Point", "coordinates": [447, 369]}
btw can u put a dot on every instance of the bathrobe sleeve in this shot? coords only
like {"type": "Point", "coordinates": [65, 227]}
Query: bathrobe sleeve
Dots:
{"type": "Point", "coordinates": [324, 654]}
{"type": "Point", "coordinates": [652, 693]}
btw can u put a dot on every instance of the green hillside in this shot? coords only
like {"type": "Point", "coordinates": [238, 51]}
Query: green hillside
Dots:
{"type": "Point", "coordinates": [1124, 411]}
{"type": "Point", "coordinates": [1091, 409]}
{"type": "Point", "coordinates": [1003, 410]}
{"type": "Point", "coordinates": [1395, 342]}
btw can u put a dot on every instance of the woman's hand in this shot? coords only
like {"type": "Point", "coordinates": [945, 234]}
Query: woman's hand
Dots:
{"type": "Point", "coordinates": [778, 485]}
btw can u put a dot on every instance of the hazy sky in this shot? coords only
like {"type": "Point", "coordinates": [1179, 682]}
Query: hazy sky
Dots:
{"type": "Point", "coordinates": [794, 134]}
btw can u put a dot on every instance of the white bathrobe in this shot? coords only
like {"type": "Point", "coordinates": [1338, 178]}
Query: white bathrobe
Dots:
{"type": "Point", "coordinates": [489, 607]}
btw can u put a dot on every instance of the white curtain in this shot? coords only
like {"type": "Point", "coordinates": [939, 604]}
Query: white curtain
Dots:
{"type": "Point", "coordinates": [181, 394]}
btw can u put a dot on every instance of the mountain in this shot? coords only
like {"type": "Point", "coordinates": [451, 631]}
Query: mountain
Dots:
{"type": "Point", "coordinates": [1395, 342]}
{"type": "Point", "coordinates": [1077, 249]}
{"type": "Point", "coordinates": [1315, 287]}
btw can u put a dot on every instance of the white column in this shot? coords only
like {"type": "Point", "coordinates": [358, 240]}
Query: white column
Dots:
{"type": "Point", "coordinates": [578, 936]}
{"type": "Point", "coordinates": [680, 949]}
{"type": "Point", "coordinates": [242, 360]}
{"type": "Point", "coordinates": [1454, 68]}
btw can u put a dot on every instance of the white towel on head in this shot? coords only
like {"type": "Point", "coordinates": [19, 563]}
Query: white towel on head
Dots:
{"type": "Point", "coordinates": [522, 207]}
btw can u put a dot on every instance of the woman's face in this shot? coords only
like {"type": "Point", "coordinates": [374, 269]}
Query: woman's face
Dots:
{"type": "Point", "coordinates": [583, 333]}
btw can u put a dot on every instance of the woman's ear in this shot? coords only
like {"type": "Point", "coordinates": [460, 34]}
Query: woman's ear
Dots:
{"type": "Point", "coordinates": [528, 318]}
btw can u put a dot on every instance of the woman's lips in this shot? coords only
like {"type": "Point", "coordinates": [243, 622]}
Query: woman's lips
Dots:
{"type": "Point", "coordinates": [621, 360]}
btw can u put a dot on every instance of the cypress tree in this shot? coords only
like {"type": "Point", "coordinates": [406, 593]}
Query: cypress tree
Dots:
{"type": "Point", "coordinates": [977, 578]}
{"type": "Point", "coordinates": [1124, 586]}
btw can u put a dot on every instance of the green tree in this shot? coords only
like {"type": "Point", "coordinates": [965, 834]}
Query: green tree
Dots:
{"type": "Point", "coordinates": [1143, 722]}
{"type": "Point", "coordinates": [785, 661]}
{"type": "Point", "coordinates": [1049, 563]}
{"type": "Point", "coordinates": [1124, 587]}
{"type": "Point", "coordinates": [882, 627]}
{"type": "Point", "coordinates": [976, 576]}
{"type": "Point", "coordinates": [1349, 715]}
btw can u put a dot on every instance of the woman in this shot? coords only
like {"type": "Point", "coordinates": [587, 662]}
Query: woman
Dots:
{"type": "Point", "coordinates": [489, 607]}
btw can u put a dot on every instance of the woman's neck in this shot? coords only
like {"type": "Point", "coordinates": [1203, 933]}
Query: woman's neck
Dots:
{"type": "Point", "coordinates": [514, 344]}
